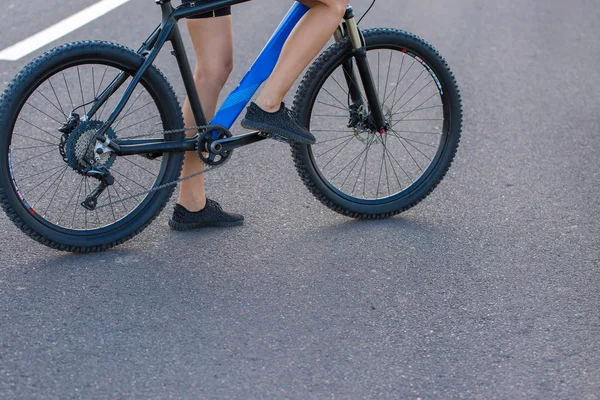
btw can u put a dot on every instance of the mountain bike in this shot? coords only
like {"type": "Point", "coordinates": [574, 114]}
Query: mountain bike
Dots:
{"type": "Point", "coordinates": [92, 138]}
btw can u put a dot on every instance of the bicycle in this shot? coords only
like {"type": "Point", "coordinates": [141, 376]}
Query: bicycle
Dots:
{"type": "Point", "coordinates": [75, 179]}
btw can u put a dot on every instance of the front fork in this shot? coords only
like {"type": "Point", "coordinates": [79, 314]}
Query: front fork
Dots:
{"type": "Point", "coordinates": [350, 29]}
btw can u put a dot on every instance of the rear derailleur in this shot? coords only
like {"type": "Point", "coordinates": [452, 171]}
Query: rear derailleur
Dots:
{"type": "Point", "coordinates": [106, 179]}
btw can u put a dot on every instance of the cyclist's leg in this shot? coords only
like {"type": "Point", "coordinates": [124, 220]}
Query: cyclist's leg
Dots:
{"type": "Point", "coordinates": [213, 44]}
{"type": "Point", "coordinates": [307, 39]}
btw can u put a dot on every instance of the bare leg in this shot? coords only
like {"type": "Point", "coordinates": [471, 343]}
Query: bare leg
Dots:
{"type": "Point", "coordinates": [306, 40]}
{"type": "Point", "coordinates": [213, 44]}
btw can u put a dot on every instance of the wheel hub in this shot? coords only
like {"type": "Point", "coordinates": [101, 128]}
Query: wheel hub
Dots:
{"type": "Point", "coordinates": [361, 121]}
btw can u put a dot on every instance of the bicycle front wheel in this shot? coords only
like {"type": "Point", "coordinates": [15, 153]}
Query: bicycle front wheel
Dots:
{"type": "Point", "coordinates": [43, 180]}
{"type": "Point", "coordinates": [356, 170]}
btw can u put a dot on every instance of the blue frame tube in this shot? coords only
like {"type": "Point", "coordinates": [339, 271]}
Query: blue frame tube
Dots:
{"type": "Point", "coordinates": [260, 70]}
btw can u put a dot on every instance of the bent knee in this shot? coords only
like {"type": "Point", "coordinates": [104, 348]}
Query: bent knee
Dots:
{"type": "Point", "coordinates": [340, 6]}
{"type": "Point", "coordinates": [216, 73]}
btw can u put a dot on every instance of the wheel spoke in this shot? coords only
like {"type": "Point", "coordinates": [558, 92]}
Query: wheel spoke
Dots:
{"type": "Point", "coordinates": [34, 147]}
{"type": "Point", "coordinates": [408, 88]}
{"type": "Point", "coordinates": [62, 110]}
{"type": "Point", "coordinates": [49, 101]}
{"type": "Point", "coordinates": [418, 108]}
{"type": "Point", "coordinates": [387, 79]}
{"type": "Point", "coordinates": [410, 112]}
{"type": "Point", "coordinates": [137, 123]}
{"type": "Point", "coordinates": [68, 91]}
{"type": "Point", "coordinates": [354, 166]}
{"type": "Point", "coordinates": [130, 180]}
{"type": "Point", "coordinates": [67, 207]}
{"type": "Point", "coordinates": [32, 138]}
{"type": "Point", "coordinates": [60, 174]}
{"type": "Point", "coordinates": [35, 126]}
{"type": "Point", "coordinates": [378, 77]}
{"type": "Point", "coordinates": [330, 105]}
{"type": "Point", "coordinates": [336, 154]}
{"type": "Point", "coordinates": [335, 98]}
{"type": "Point", "coordinates": [121, 201]}
{"type": "Point", "coordinates": [391, 157]}
{"type": "Point", "coordinates": [49, 116]}
{"type": "Point", "coordinates": [344, 90]}
{"type": "Point", "coordinates": [137, 165]}
{"type": "Point", "coordinates": [55, 191]}
{"type": "Point", "coordinates": [408, 101]}
{"type": "Point", "coordinates": [31, 158]}
{"type": "Point", "coordinates": [409, 154]}
{"type": "Point", "coordinates": [76, 205]}
{"type": "Point", "coordinates": [412, 140]}
{"type": "Point", "coordinates": [21, 180]}
{"type": "Point", "coordinates": [111, 204]}
{"type": "Point", "coordinates": [414, 147]}
{"type": "Point", "coordinates": [400, 79]}
{"type": "Point", "coordinates": [334, 147]}
{"type": "Point", "coordinates": [347, 165]}
{"type": "Point", "coordinates": [101, 81]}
{"type": "Point", "coordinates": [129, 109]}
{"type": "Point", "coordinates": [331, 140]}
{"type": "Point", "coordinates": [81, 89]}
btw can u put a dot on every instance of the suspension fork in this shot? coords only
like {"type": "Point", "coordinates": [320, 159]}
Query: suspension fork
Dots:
{"type": "Point", "coordinates": [362, 63]}
{"type": "Point", "coordinates": [348, 69]}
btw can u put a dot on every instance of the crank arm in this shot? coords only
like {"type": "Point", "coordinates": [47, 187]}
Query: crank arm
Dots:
{"type": "Point", "coordinates": [228, 144]}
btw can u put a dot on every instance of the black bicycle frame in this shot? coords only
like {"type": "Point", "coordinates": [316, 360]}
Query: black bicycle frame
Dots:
{"type": "Point", "coordinates": [169, 31]}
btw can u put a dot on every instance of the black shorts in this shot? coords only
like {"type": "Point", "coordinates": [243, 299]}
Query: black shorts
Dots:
{"type": "Point", "coordinates": [211, 14]}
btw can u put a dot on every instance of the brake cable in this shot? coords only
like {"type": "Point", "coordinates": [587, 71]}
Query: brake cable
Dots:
{"type": "Point", "coordinates": [366, 12]}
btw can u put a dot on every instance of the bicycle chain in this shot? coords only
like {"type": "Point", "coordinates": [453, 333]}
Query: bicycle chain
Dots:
{"type": "Point", "coordinates": [172, 183]}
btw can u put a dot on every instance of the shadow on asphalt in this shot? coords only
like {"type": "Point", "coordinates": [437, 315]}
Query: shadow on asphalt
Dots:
{"type": "Point", "coordinates": [405, 224]}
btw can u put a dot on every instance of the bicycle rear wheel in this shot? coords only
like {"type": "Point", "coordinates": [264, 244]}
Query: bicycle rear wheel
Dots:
{"type": "Point", "coordinates": [355, 170]}
{"type": "Point", "coordinates": [42, 170]}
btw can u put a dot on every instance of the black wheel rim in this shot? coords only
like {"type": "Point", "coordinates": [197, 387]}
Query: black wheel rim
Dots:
{"type": "Point", "coordinates": [377, 169]}
{"type": "Point", "coordinates": [52, 191]}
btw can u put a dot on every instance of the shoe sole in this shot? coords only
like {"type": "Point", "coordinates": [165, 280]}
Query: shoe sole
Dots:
{"type": "Point", "coordinates": [276, 132]}
{"type": "Point", "coordinates": [181, 226]}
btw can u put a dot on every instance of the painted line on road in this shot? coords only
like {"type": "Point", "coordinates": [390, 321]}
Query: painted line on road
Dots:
{"type": "Point", "coordinates": [60, 29]}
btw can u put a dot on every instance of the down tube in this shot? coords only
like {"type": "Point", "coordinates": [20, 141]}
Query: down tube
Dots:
{"type": "Point", "coordinates": [260, 70]}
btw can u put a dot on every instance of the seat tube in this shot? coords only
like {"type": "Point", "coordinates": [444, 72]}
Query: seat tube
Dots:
{"type": "Point", "coordinates": [187, 76]}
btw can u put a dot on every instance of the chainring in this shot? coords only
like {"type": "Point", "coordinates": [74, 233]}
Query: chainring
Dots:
{"type": "Point", "coordinates": [209, 135]}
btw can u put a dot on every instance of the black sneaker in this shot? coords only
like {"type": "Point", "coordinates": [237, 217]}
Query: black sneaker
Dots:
{"type": "Point", "coordinates": [212, 215]}
{"type": "Point", "coordinates": [282, 124]}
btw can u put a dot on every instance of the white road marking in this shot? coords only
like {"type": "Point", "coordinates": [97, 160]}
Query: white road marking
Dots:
{"type": "Point", "coordinates": [59, 29]}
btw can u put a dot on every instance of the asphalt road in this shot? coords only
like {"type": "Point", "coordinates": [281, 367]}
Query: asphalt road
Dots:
{"type": "Point", "coordinates": [487, 289]}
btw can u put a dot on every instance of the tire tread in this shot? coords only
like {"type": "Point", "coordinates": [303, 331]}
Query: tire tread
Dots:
{"type": "Point", "coordinates": [303, 94]}
{"type": "Point", "coordinates": [7, 99]}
